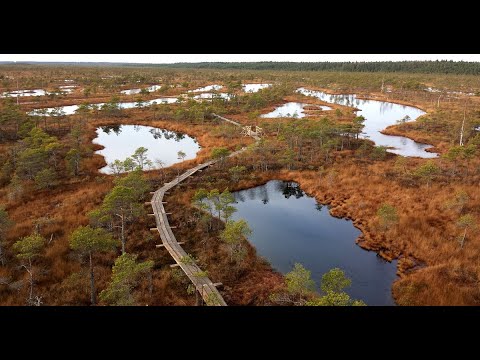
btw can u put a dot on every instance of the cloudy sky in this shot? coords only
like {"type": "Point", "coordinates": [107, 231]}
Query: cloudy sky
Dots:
{"type": "Point", "coordinates": [172, 58]}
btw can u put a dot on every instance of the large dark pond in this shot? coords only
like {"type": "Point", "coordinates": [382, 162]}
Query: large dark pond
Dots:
{"type": "Point", "coordinates": [289, 226]}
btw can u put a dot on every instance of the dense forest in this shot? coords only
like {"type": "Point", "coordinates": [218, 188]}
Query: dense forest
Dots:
{"type": "Point", "coordinates": [417, 67]}
{"type": "Point", "coordinates": [426, 67]}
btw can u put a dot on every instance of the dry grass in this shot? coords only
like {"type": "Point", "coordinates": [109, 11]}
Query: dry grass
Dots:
{"type": "Point", "coordinates": [433, 269]}
{"type": "Point", "coordinates": [66, 206]}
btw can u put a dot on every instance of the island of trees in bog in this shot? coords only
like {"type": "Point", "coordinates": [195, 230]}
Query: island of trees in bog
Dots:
{"type": "Point", "coordinates": [240, 184]}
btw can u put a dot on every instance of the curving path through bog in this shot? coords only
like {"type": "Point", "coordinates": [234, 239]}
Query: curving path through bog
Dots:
{"type": "Point", "coordinates": [205, 287]}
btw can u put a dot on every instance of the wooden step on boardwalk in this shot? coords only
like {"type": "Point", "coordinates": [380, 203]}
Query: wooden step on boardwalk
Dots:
{"type": "Point", "coordinates": [205, 287]}
{"type": "Point", "coordinates": [203, 284]}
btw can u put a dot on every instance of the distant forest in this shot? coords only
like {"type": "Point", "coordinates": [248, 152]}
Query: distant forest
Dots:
{"type": "Point", "coordinates": [427, 67]}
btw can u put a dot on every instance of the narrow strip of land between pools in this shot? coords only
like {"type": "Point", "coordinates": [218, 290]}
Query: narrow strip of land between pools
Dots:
{"type": "Point", "coordinates": [205, 287]}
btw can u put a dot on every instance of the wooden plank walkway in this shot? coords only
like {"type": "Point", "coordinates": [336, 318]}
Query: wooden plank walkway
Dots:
{"type": "Point", "coordinates": [205, 287]}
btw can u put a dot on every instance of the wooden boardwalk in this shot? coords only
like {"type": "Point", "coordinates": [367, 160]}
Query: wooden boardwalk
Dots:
{"type": "Point", "coordinates": [205, 287]}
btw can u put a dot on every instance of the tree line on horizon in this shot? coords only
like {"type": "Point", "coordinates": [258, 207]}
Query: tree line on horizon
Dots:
{"type": "Point", "coordinates": [428, 67]}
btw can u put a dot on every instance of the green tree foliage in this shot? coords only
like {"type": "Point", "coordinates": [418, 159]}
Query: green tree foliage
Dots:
{"type": "Point", "coordinates": [140, 157]}
{"type": "Point", "coordinates": [112, 108]}
{"type": "Point", "coordinates": [233, 235]}
{"type": "Point", "coordinates": [288, 158]}
{"type": "Point", "coordinates": [30, 162]}
{"type": "Point", "coordinates": [201, 200]}
{"type": "Point", "coordinates": [122, 205]}
{"type": "Point", "coordinates": [226, 198]}
{"type": "Point", "coordinates": [457, 153]}
{"type": "Point", "coordinates": [181, 155]}
{"type": "Point", "coordinates": [335, 281]}
{"type": "Point", "coordinates": [45, 178]}
{"type": "Point", "coordinates": [236, 172]}
{"type": "Point", "coordinates": [15, 189]}
{"type": "Point", "coordinates": [27, 249]}
{"type": "Point", "coordinates": [73, 157]}
{"type": "Point", "coordinates": [387, 216]}
{"type": "Point", "coordinates": [72, 160]}
{"type": "Point", "coordinates": [300, 289]}
{"type": "Point", "coordinates": [426, 67]}
{"type": "Point", "coordinates": [453, 154]}
{"type": "Point", "coordinates": [6, 172]}
{"type": "Point", "coordinates": [221, 202]}
{"type": "Point", "coordinates": [136, 181]}
{"type": "Point", "coordinates": [129, 164]}
{"type": "Point", "coordinates": [11, 113]}
{"type": "Point", "coordinates": [117, 167]}
{"type": "Point", "coordinates": [89, 241]}
{"type": "Point", "coordinates": [379, 153]}
{"type": "Point", "coordinates": [214, 198]}
{"type": "Point", "coordinates": [5, 225]}
{"type": "Point", "coordinates": [140, 103]}
{"type": "Point", "coordinates": [465, 222]}
{"type": "Point", "coordinates": [38, 152]}
{"type": "Point", "coordinates": [358, 124]}
{"type": "Point", "coordinates": [299, 282]}
{"type": "Point", "coordinates": [138, 161]}
{"type": "Point", "coordinates": [25, 128]}
{"type": "Point", "coordinates": [220, 153]}
{"type": "Point", "coordinates": [459, 201]}
{"type": "Point", "coordinates": [333, 284]}
{"type": "Point", "coordinates": [126, 274]}
{"type": "Point", "coordinates": [427, 172]}
{"type": "Point", "coordinates": [475, 140]}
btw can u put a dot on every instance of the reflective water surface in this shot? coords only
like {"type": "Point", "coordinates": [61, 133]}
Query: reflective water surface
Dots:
{"type": "Point", "coordinates": [292, 109]}
{"type": "Point", "coordinates": [137, 91]}
{"type": "Point", "coordinates": [289, 226]}
{"type": "Point", "coordinates": [22, 93]}
{"type": "Point", "coordinates": [207, 88]}
{"type": "Point", "coordinates": [379, 115]}
{"type": "Point", "coordinates": [121, 141]}
{"type": "Point", "coordinates": [71, 109]}
{"type": "Point", "coordinates": [254, 87]}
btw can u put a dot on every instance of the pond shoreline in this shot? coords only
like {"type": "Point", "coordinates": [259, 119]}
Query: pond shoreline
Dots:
{"type": "Point", "coordinates": [380, 115]}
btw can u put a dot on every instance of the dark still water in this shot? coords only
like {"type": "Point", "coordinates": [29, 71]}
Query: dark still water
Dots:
{"type": "Point", "coordinates": [289, 226]}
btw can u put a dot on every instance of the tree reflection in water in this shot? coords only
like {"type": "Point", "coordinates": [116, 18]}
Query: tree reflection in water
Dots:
{"type": "Point", "coordinates": [117, 129]}
{"type": "Point", "coordinates": [290, 188]}
{"type": "Point", "coordinates": [167, 134]}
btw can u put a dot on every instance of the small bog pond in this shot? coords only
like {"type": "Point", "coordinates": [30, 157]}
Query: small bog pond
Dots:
{"type": "Point", "coordinates": [137, 91]}
{"type": "Point", "coordinates": [22, 93]}
{"type": "Point", "coordinates": [289, 226]}
{"type": "Point", "coordinates": [71, 109]}
{"type": "Point", "coordinates": [212, 95]}
{"type": "Point", "coordinates": [38, 92]}
{"type": "Point", "coordinates": [254, 87]}
{"type": "Point", "coordinates": [207, 88]}
{"type": "Point", "coordinates": [379, 115]}
{"type": "Point", "coordinates": [292, 109]}
{"type": "Point", "coordinates": [121, 141]}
